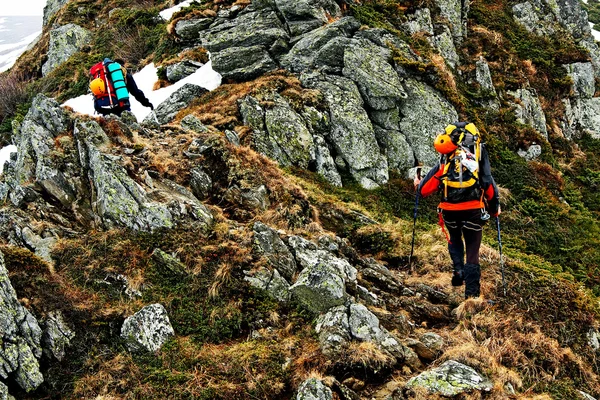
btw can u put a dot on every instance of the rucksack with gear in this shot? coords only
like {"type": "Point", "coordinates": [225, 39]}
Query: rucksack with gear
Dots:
{"type": "Point", "coordinates": [109, 86]}
{"type": "Point", "coordinates": [460, 146]}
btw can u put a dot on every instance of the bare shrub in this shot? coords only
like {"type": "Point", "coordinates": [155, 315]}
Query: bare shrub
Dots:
{"type": "Point", "coordinates": [12, 93]}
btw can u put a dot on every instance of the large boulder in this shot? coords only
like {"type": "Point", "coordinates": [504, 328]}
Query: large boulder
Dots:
{"type": "Point", "coordinates": [259, 28]}
{"type": "Point", "coordinates": [268, 243]}
{"type": "Point", "coordinates": [314, 389]}
{"type": "Point", "coordinates": [419, 21]}
{"type": "Point", "coordinates": [582, 74]}
{"type": "Point", "coordinates": [451, 379]}
{"type": "Point", "coordinates": [147, 329]}
{"type": "Point", "coordinates": [397, 150]}
{"type": "Point", "coordinates": [369, 67]}
{"type": "Point", "coordinates": [64, 42]}
{"type": "Point", "coordinates": [303, 16]}
{"type": "Point", "coordinates": [319, 287]}
{"type": "Point", "coordinates": [333, 329]}
{"type": "Point", "coordinates": [168, 109]}
{"type": "Point", "coordinates": [529, 111]}
{"type": "Point", "coordinates": [189, 29]}
{"type": "Point", "coordinates": [271, 282]}
{"type": "Point", "coordinates": [456, 12]}
{"type": "Point", "coordinates": [20, 338]}
{"type": "Point", "coordinates": [180, 70]}
{"type": "Point", "coordinates": [118, 200]}
{"type": "Point", "coordinates": [243, 63]}
{"type": "Point", "coordinates": [424, 114]}
{"type": "Point", "coordinates": [582, 115]}
{"type": "Point", "coordinates": [303, 54]}
{"type": "Point", "coordinates": [352, 134]}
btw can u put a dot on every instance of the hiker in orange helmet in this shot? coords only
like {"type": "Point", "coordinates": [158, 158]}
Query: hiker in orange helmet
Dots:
{"type": "Point", "coordinates": [469, 198]}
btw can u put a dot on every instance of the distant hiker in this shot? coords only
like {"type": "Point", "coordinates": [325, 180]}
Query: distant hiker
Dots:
{"type": "Point", "coordinates": [469, 197]}
{"type": "Point", "coordinates": [111, 86]}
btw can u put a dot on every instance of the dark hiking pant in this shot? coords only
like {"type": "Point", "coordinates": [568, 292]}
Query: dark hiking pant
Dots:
{"type": "Point", "coordinates": [467, 225]}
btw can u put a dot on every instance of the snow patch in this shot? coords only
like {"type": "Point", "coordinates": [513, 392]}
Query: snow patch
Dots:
{"type": "Point", "coordinates": [205, 77]}
{"type": "Point", "coordinates": [5, 153]}
{"type": "Point", "coordinates": [595, 32]}
{"type": "Point", "coordinates": [168, 13]}
{"type": "Point", "coordinates": [10, 52]}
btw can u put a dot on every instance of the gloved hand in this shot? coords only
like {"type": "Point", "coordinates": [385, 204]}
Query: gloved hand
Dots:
{"type": "Point", "coordinates": [151, 106]}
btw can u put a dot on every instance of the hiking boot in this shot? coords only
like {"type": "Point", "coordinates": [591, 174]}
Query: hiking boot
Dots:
{"type": "Point", "coordinates": [472, 275]}
{"type": "Point", "coordinates": [457, 278]}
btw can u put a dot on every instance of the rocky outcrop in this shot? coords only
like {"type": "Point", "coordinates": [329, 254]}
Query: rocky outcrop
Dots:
{"type": "Point", "coordinates": [304, 16]}
{"type": "Point", "coordinates": [455, 12]}
{"type": "Point", "coordinates": [352, 133]}
{"type": "Point", "coordinates": [271, 282]}
{"type": "Point", "coordinates": [424, 113]}
{"type": "Point", "coordinates": [147, 329]}
{"type": "Point", "coordinates": [51, 8]}
{"type": "Point", "coordinates": [118, 200]}
{"type": "Point", "coordinates": [180, 70]}
{"type": "Point", "coordinates": [528, 110]}
{"type": "Point", "coordinates": [268, 243]}
{"type": "Point", "coordinates": [20, 338]}
{"type": "Point", "coordinates": [582, 75]}
{"type": "Point", "coordinates": [189, 29]}
{"type": "Point", "coordinates": [419, 21]}
{"type": "Point", "coordinates": [314, 389]}
{"type": "Point", "coordinates": [243, 63]}
{"type": "Point", "coordinates": [168, 109]}
{"type": "Point", "coordinates": [64, 42]}
{"type": "Point", "coordinates": [533, 152]}
{"type": "Point", "coordinates": [451, 379]}
{"type": "Point", "coordinates": [444, 43]}
{"type": "Point", "coordinates": [57, 336]}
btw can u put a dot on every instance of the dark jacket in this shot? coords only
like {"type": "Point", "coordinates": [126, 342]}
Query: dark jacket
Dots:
{"type": "Point", "coordinates": [490, 199]}
{"type": "Point", "coordinates": [124, 105]}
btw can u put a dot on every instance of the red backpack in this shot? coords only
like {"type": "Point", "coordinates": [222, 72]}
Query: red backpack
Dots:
{"type": "Point", "coordinates": [108, 85]}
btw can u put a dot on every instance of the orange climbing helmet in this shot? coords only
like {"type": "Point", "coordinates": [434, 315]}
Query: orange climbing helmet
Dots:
{"type": "Point", "coordinates": [98, 87]}
{"type": "Point", "coordinates": [443, 144]}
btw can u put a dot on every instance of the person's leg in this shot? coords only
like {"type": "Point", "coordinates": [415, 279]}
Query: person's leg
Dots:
{"type": "Point", "coordinates": [472, 232]}
{"type": "Point", "coordinates": [455, 247]}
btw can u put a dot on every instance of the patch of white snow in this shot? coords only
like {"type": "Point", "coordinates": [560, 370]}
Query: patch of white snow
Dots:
{"type": "Point", "coordinates": [168, 13]}
{"type": "Point", "coordinates": [5, 153]}
{"type": "Point", "coordinates": [595, 32]}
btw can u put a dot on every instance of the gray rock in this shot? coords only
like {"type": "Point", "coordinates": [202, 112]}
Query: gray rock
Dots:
{"type": "Point", "coordinates": [526, 15]}
{"type": "Point", "coordinates": [64, 42]}
{"type": "Point", "coordinates": [268, 243]}
{"type": "Point", "coordinates": [308, 255]}
{"type": "Point", "coordinates": [398, 152]}
{"type": "Point", "coordinates": [192, 123]}
{"type": "Point", "coordinates": [420, 21]}
{"type": "Point", "coordinates": [314, 389]}
{"type": "Point", "coordinates": [232, 137]}
{"type": "Point", "coordinates": [386, 119]}
{"type": "Point", "coordinates": [177, 72]}
{"type": "Point", "coordinates": [289, 140]}
{"type": "Point", "coordinates": [352, 134]}
{"type": "Point", "coordinates": [369, 298]}
{"type": "Point", "coordinates": [528, 110]}
{"type": "Point", "coordinates": [180, 202]}
{"type": "Point", "coordinates": [168, 264]}
{"type": "Point", "coordinates": [582, 115]}
{"type": "Point", "coordinates": [433, 341]}
{"type": "Point", "coordinates": [582, 74]}
{"type": "Point", "coordinates": [533, 152]}
{"type": "Point", "coordinates": [270, 281]}
{"type": "Point", "coordinates": [303, 16]}
{"type": "Point", "coordinates": [368, 66]}
{"type": "Point", "coordinates": [451, 379]}
{"type": "Point", "coordinates": [201, 183]}
{"type": "Point", "coordinates": [51, 8]}
{"type": "Point", "coordinates": [3, 392]}
{"type": "Point", "coordinates": [147, 329]}
{"type": "Point", "coordinates": [333, 329]}
{"type": "Point", "coordinates": [57, 336]}
{"type": "Point", "coordinates": [243, 63]}
{"type": "Point", "coordinates": [325, 164]}
{"type": "Point", "coordinates": [319, 287]}
{"type": "Point", "coordinates": [118, 200]}
{"type": "Point", "coordinates": [455, 11]}
{"type": "Point", "coordinates": [168, 109]}
{"type": "Point", "coordinates": [428, 347]}
{"type": "Point", "coordinates": [189, 29]}
{"type": "Point", "coordinates": [259, 28]}
{"type": "Point", "coordinates": [425, 113]}
{"type": "Point", "coordinates": [330, 58]}
{"type": "Point", "coordinates": [381, 276]}
{"type": "Point", "coordinates": [302, 55]}
{"type": "Point", "coordinates": [35, 143]}
{"type": "Point", "coordinates": [42, 246]}
{"type": "Point", "coordinates": [20, 336]}
{"type": "Point", "coordinates": [445, 45]}
{"type": "Point", "coordinates": [483, 76]}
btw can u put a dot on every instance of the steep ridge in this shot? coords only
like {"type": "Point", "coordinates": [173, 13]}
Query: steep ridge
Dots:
{"type": "Point", "coordinates": [254, 244]}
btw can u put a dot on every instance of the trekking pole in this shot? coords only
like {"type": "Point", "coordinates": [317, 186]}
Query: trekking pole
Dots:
{"type": "Point", "coordinates": [156, 119]}
{"type": "Point", "coordinates": [412, 245]}
{"type": "Point", "coordinates": [501, 258]}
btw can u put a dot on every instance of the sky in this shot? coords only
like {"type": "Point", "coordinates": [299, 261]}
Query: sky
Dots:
{"type": "Point", "coordinates": [22, 7]}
